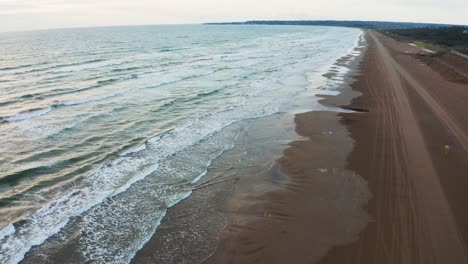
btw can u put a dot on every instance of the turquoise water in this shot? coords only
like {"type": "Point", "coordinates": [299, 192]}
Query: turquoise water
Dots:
{"type": "Point", "coordinates": [103, 129]}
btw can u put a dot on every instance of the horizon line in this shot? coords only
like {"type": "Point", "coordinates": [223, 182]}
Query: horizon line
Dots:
{"type": "Point", "coordinates": [227, 22]}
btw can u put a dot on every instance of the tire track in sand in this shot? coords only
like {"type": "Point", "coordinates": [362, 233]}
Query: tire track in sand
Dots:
{"type": "Point", "coordinates": [437, 235]}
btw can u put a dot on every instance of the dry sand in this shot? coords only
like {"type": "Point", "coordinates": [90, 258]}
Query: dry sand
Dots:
{"type": "Point", "coordinates": [419, 204]}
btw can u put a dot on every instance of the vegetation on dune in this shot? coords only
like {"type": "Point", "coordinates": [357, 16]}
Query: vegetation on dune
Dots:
{"type": "Point", "coordinates": [453, 38]}
{"type": "Point", "coordinates": [337, 23]}
{"type": "Point", "coordinates": [425, 45]}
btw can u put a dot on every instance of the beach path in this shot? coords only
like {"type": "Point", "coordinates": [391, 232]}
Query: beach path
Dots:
{"type": "Point", "coordinates": [440, 236]}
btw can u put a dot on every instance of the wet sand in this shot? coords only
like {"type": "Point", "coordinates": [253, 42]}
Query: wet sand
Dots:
{"type": "Point", "coordinates": [320, 207]}
{"type": "Point", "coordinates": [286, 174]}
{"type": "Point", "coordinates": [189, 232]}
{"type": "Point", "coordinates": [249, 193]}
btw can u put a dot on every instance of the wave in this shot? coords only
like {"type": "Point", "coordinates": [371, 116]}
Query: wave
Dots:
{"type": "Point", "coordinates": [6, 103]}
{"type": "Point", "coordinates": [26, 96]}
{"type": "Point", "coordinates": [15, 67]}
{"type": "Point", "coordinates": [57, 92]}
{"type": "Point", "coordinates": [134, 150]}
{"type": "Point", "coordinates": [165, 106]}
{"type": "Point", "coordinates": [177, 79]}
{"type": "Point", "coordinates": [7, 231]}
{"type": "Point", "coordinates": [28, 114]}
{"type": "Point", "coordinates": [101, 246]}
{"type": "Point", "coordinates": [94, 194]}
{"type": "Point", "coordinates": [76, 63]}
{"type": "Point", "coordinates": [32, 71]}
{"type": "Point", "coordinates": [35, 70]}
{"type": "Point", "coordinates": [107, 180]}
{"type": "Point", "coordinates": [88, 99]}
{"type": "Point", "coordinates": [39, 185]}
{"type": "Point", "coordinates": [26, 172]}
{"type": "Point", "coordinates": [99, 84]}
{"type": "Point", "coordinates": [125, 69]}
{"type": "Point", "coordinates": [108, 81]}
{"type": "Point", "coordinates": [204, 94]}
{"type": "Point", "coordinates": [22, 66]}
{"type": "Point", "coordinates": [170, 63]}
{"type": "Point", "coordinates": [38, 112]}
{"type": "Point", "coordinates": [171, 49]}
{"type": "Point", "coordinates": [84, 66]}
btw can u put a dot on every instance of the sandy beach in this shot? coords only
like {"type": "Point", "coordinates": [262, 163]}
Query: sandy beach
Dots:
{"type": "Point", "coordinates": [253, 211]}
{"type": "Point", "coordinates": [371, 186]}
{"type": "Point", "coordinates": [414, 111]}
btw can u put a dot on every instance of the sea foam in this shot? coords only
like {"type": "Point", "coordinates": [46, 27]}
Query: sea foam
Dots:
{"type": "Point", "coordinates": [213, 90]}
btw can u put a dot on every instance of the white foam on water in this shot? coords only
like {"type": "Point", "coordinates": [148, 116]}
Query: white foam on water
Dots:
{"type": "Point", "coordinates": [104, 247]}
{"type": "Point", "coordinates": [149, 199]}
{"type": "Point", "coordinates": [106, 181]}
{"type": "Point", "coordinates": [117, 176]}
{"type": "Point", "coordinates": [134, 150]}
{"type": "Point", "coordinates": [87, 66]}
{"type": "Point", "coordinates": [113, 198]}
{"type": "Point", "coordinates": [150, 81]}
{"type": "Point", "coordinates": [341, 72]}
{"type": "Point", "coordinates": [7, 231]}
{"type": "Point", "coordinates": [92, 98]}
{"type": "Point", "coordinates": [27, 115]}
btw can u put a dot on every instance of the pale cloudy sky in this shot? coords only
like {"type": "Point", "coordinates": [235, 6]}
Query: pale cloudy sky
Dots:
{"type": "Point", "coordinates": [39, 14]}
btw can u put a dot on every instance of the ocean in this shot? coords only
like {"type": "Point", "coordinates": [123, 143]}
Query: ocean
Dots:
{"type": "Point", "coordinates": [103, 129]}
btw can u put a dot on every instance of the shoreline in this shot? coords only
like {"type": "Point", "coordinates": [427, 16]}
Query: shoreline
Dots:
{"type": "Point", "coordinates": [241, 200]}
{"type": "Point", "coordinates": [190, 114]}
{"type": "Point", "coordinates": [382, 190]}
{"type": "Point", "coordinates": [361, 158]}
{"type": "Point", "coordinates": [322, 204]}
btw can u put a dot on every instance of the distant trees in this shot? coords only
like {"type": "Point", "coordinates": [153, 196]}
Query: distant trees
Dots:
{"type": "Point", "coordinates": [337, 23]}
{"type": "Point", "coordinates": [454, 37]}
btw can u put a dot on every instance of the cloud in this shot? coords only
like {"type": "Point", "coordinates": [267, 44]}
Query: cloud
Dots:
{"type": "Point", "coordinates": [17, 7]}
{"type": "Point", "coordinates": [35, 14]}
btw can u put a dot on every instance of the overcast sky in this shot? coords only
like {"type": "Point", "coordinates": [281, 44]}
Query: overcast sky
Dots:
{"type": "Point", "coordinates": [39, 14]}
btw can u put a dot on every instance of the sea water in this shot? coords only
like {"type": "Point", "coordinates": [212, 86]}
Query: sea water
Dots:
{"type": "Point", "coordinates": [103, 129]}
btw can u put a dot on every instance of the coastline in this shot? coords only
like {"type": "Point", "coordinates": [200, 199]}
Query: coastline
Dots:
{"type": "Point", "coordinates": [114, 206]}
{"type": "Point", "coordinates": [327, 159]}
{"type": "Point", "coordinates": [407, 197]}
{"type": "Point", "coordinates": [322, 204]}
{"type": "Point", "coordinates": [261, 197]}
{"type": "Point", "coordinates": [382, 190]}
